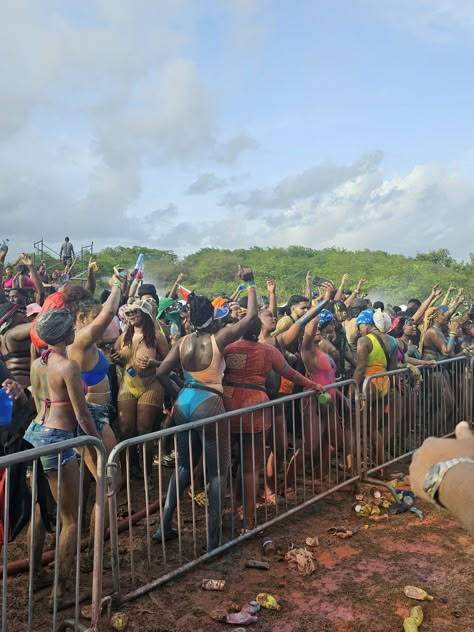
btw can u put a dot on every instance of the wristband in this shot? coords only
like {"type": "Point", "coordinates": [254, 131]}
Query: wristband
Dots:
{"type": "Point", "coordinates": [251, 287]}
{"type": "Point", "coordinates": [117, 284]}
{"type": "Point", "coordinates": [453, 333]}
{"type": "Point", "coordinates": [251, 284]}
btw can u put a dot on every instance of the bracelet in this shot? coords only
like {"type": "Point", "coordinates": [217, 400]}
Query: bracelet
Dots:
{"type": "Point", "coordinates": [251, 284]}
{"type": "Point", "coordinates": [117, 284]}
{"type": "Point", "coordinates": [251, 287]}
{"type": "Point", "coordinates": [453, 333]}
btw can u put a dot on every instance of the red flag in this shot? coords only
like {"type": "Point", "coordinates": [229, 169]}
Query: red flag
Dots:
{"type": "Point", "coordinates": [184, 292]}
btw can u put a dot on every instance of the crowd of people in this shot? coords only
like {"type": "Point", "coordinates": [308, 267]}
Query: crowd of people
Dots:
{"type": "Point", "coordinates": [131, 362]}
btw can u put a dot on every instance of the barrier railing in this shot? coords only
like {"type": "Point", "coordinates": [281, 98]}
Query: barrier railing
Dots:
{"type": "Point", "coordinates": [259, 465]}
{"type": "Point", "coordinates": [401, 408]}
{"type": "Point", "coordinates": [66, 487]}
{"type": "Point", "coordinates": [241, 452]}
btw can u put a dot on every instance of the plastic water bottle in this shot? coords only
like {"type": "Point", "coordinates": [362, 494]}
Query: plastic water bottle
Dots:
{"type": "Point", "coordinates": [6, 408]}
{"type": "Point", "coordinates": [174, 329]}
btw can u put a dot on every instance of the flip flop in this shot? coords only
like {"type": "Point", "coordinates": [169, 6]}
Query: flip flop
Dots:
{"type": "Point", "coordinates": [199, 497]}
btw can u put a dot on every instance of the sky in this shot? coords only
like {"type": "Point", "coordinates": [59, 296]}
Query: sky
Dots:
{"type": "Point", "coordinates": [185, 124]}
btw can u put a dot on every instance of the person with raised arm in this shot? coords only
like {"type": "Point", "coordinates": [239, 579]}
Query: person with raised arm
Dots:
{"type": "Point", "coordinates": [59, 395]}
{"type": "Point", "coordinates": [201, 355]}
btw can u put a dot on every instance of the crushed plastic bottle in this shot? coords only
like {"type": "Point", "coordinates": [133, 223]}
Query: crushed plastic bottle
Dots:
{"type": "Point", "coordinates": [417, 512]}
{"type": "Point", "coordinates": [413, 592]}
{"type": "Point", "coordinates": [241, 618]}
{"type": "Point", "coordinates": [267, 601]}
{"type": "Point", "coordinates": [413, 622]}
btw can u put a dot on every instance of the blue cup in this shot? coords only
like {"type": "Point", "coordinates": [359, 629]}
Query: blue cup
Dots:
{"type": "Point", "coordinates": [6, 408]}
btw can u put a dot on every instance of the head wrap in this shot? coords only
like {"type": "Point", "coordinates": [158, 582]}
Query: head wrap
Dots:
{"type": "Point", "coordinates": [325, 317]}
{"type": "Point", "coordinates": [365, 318]}
{"type": "Point", "coordinates": [55, 325]}
{"type": "Point", "coordinates": [382, 321]}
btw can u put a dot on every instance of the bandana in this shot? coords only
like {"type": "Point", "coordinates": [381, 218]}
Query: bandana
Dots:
{"type": "Point", "coordinates": [365, 318]}
{"type": "Point", "coordinates": [325, 317]}
{"type": "Point", "coordinates": [165, 303]}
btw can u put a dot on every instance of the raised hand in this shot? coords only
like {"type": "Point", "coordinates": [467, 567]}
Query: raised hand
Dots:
{"type": "Point", "coordinates": [246, 274]}
{"type": "Point", "coordinates": [26, 259]}
{"type": "Point", "coordinates": [271, 285]}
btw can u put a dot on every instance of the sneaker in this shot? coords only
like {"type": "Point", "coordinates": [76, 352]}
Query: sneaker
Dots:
{"type": "Point", "coordinates": [167, 460]}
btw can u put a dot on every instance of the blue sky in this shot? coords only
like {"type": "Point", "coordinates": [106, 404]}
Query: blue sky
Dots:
{"type": "Point", "coordinates": [184, 124]}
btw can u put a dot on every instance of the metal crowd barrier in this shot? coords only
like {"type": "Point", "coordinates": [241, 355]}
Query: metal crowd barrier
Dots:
{"type": "Point", "coordinates": [36, 535]}
{"type": "Point", "coordinates": [251, 479]}
{"type": "Point", "coordinates": [400, 410]}
{"type": "Point", "coordinates": [259, 465]}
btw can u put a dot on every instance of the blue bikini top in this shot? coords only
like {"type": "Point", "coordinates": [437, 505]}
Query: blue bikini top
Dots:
{"type": "Point", "coordinates": [98, 373]}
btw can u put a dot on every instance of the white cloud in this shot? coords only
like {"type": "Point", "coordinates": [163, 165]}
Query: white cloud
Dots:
{"type": "Point", "coordinates": [440, 20]}
{"type": "Point", "coordinates": [429, 207]}
{"type": "Point", "coordinates": [93, 94]}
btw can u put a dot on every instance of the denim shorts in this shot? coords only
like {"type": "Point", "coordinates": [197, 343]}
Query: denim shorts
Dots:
{"type": "Point", "coordinates": [100, 414]}
{"type": "Point", "coordinates": [39, 436]}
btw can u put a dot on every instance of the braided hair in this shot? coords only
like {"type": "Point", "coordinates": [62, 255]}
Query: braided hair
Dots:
{"type": "Point", "coordinates": [200, 310]}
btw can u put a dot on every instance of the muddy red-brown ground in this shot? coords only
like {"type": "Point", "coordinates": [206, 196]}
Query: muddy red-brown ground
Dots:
{"type": "Point", "coordinates": [357, 586]}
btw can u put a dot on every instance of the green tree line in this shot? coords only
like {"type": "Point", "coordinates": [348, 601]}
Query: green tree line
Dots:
{"type": "Point", "coordinates": [212, 271]}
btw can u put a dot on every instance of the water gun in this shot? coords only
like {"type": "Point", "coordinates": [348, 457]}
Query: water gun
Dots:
{"type": "Point", "coordinates": [140, 266]}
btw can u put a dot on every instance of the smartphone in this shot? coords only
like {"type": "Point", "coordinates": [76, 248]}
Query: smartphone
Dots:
{"type": "Point", "coordinates": [120, 272]}
{"type": "Point", "coordinates": [317, 280]}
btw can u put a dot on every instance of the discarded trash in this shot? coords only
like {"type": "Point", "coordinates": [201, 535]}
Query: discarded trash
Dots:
{"type": "Point", "coordinates": [413, 592]}
{"type": "Point", "coordinates": [312, 542]}
{"type": "Point", "coordinates": [417, 512]}
{"type": "Point", "coordinates": [119, 621]}
{"type": "Point", "coordinates": [213, 584]}
{"type": "Point", "coordinates": [365, 509]}
{"type": "Point", "coordinates": [375, 492]}
{"type": "Point", "coordinates": [267, 601]}
{"type": "Point", "coordinates": [342, 532]}
{"type": "Point", "coordinates": [257, 564]}
{"type": "Point", "coordinates": [241, 618]}
{"type": "Point", "coordinates": [379, 518]}
{"type": "Point", "coordinates": [301, 560]}
{"type": "Point", "coordinates": [397, 508]}
{"type": "Point", "coordinates": [251, 608]}
{"type": "Point", "coordinates": [219, 614]}
{"type": "Point", "coordinates": [268, 546]}
{"type": "Point", "coordinates": [413, 622]}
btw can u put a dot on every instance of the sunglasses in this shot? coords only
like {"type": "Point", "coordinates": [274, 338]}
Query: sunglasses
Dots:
{"type": "Point", "coordinates": [132, 312]}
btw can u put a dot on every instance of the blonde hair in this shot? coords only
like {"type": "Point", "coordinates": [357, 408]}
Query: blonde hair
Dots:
{"type": "Point", "coordinates": [428, 321]}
